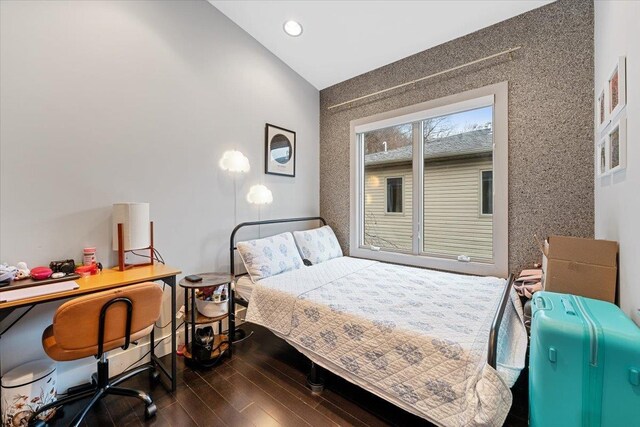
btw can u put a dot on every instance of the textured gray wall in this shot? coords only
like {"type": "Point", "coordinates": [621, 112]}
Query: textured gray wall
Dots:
{"type": "Point", "coordinates": [550, 119]}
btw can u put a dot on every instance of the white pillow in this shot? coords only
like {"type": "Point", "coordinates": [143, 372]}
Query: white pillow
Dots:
{"type": "Point", "coordinates": [318, 245]}
{"type": "Point", "coordinates": [269, 256]}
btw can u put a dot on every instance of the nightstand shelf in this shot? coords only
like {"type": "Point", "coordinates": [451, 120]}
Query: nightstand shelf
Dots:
{"type": "Point", "coordinates": [193, 318]}
{"type": "Point", "coordinates": [201, 319]}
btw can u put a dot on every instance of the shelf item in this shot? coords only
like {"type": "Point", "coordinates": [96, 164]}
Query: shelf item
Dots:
{"type": "Point", "coordinates": [209, 280]}
{"type": "Point", "coordinates": [220, 343]}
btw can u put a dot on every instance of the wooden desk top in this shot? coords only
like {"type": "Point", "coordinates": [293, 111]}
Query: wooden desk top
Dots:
{"type": "Point", "coordinates": [109, 278]}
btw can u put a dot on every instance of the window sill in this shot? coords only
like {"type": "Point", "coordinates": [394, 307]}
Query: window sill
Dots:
{"type": "Point", "coordinates": [424, 261]}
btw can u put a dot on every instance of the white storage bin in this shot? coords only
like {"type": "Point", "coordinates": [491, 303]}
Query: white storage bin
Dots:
{"type": "Point", "coordinates": [27, 388]}
{"type": "Point", "coordinates": [212, 308]}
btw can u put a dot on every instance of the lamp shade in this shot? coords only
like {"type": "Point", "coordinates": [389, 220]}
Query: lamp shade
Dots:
{"type": "Point", "coordinates": [259, 195]}
{"type": "Point", "coordinates": [134, 218]}
{"type": "Point", "coordinates": [234, 161]}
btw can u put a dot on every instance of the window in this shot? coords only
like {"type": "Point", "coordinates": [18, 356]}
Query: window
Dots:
{"type": "Point", "coordinates": [486, 192]}
{"type": "Point", "coordinates": [394, 195]}
{"type": "Point", "coordinates": [387, 153]}
{"type": "Point", "coordinates": [423, 190]}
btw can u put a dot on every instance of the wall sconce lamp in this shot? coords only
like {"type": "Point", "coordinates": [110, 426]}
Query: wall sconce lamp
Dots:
{"type": "Point", "coordinates": [234, 161]}
{"type": "Point", "coordinates": [259, 195]}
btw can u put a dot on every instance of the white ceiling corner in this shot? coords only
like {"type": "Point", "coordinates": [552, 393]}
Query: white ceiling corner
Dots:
{"type": "Point", "coordinates": [343, 39]}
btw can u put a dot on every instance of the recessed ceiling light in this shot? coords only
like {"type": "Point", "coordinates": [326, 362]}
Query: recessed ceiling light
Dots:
{"type": "Point", "coordinates": [293, 28]}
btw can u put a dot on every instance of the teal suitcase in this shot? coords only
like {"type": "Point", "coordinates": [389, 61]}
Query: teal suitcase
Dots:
{"type": "Point", "coordinates": [584, 363]}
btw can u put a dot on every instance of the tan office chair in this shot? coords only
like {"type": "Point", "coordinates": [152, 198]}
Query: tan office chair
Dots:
{"type": "Point", "coordinates": [95, 324]}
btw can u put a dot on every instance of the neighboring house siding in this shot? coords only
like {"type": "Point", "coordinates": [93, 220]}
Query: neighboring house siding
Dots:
{"type": "Point", "coordinates": [452, 222]}
{"type": "Point", "coordinates": [391, 230]}
{"type": "Point", "coordinates": [453, 225]}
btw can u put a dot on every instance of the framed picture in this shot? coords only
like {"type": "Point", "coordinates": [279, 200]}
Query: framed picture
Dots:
{"type": "Point", "coordinates": [602, 111]}
{"type": "Point", "coordinates": [602, 156]}
{"type": "Point", "coordinates": [617, 139]}
{"type": "Point", "coordinates": [280, 151]}
{"type": "Point", "coordinates": [616, 87]}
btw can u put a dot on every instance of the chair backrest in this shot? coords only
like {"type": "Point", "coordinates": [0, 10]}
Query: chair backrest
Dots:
{"type": "Point", "coordinates": [76, 322]}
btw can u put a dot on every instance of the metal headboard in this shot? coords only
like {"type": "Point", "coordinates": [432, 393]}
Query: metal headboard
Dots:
{"type": "Point", "coordinates": [232, 269]}
{"type": "Point", "coordinates": [232, 239]}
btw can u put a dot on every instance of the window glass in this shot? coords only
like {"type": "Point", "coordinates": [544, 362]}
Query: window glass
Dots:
{"type": "Point", "coordinates": [456, 148]}
{"type": "Point", "coordinates": [423, 192]}
{"type": "Point", "coordinates": [487, 192]}
{"type": "Point", "coordinates": [394, 195]}
{"type": "Point", "coordinates": [388, 157]}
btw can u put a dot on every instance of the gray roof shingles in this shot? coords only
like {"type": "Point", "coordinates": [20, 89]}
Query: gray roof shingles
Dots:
{"type": "Point", "coordinates": [474, 142]}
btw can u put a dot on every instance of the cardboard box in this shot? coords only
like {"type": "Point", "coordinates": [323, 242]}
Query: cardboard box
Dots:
{"type": "Point", "coordinates": [584, 267]}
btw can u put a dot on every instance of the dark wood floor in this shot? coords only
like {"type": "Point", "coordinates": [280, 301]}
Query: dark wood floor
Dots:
{"type": "Point", "coordinates": [263, 385]}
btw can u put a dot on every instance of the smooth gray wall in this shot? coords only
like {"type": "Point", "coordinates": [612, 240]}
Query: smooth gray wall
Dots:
{"type": "Point", "coordinates": [109, 101]}
{"type": "Point", "coordinates": [616, 196]}
{"type": "Point", "coordinates": [550, 119]}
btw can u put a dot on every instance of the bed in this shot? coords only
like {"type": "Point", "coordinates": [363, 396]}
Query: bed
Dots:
{"type": "Point", "coordinates": [443, 346]}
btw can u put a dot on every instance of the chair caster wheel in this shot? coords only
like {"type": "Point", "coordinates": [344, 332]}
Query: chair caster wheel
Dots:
{"type": "Point", "coordinates": [154, 376]}
{"type": "Point", "coordinates": [150, 411]}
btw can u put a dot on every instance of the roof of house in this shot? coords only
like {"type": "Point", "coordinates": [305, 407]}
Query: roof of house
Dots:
{"type": "Point", "coordinates": [474, 142]}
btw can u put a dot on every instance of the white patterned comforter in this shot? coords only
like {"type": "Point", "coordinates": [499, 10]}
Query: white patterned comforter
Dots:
{"type": "Point", "coordinates": [413, 336]}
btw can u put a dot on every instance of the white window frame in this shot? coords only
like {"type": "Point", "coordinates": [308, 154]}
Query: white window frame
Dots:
{"type": "Point", "coordinates": [496, 95]}
{"type": "Point", "coordinates": [481, 214]}
{"type": "Point", "coordinates": [386, 195]}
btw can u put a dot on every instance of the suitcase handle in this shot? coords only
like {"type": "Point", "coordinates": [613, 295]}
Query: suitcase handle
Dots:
{"type": "Point", "coordinates": [542, 303]}
{"type": "Point", "coordinates": [568, 307]}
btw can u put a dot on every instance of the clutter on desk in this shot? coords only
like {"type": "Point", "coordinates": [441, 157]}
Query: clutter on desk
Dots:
{"type": "Point", "coordinates": [41, 273]}
{"type": "Point", "coordinates": [20, 276]}
{"type": "Point", "coordinates": [23, 271]}
{"type": "Point", "coordinates": [7, 274]}
{"type": "Point", "coordinates": [88, 270]}
{"type": "Point", "coordinates": [66, 266]}
{"type": "Point", "coordinates": [89, 256]}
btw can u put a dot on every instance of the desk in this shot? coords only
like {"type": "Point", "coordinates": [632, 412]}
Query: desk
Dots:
{"type": "Point", "coordinates": [110, 279]}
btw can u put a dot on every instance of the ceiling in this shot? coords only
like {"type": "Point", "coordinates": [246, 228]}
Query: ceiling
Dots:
{"type": "Point", "coordinates": [343, 39]}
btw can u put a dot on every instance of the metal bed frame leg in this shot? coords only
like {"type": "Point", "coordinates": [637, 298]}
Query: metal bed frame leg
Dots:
{"type": "Point", "coordinates": [315, 379]}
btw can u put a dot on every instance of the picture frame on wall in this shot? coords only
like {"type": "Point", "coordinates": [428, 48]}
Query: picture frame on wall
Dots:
{"type": "Point", "coordinates": [602, 111]}
{"type": "Point", "coordinates": [602, 156]}
{"type": "Point", "coordinates": [617, 145]}
{"type": "Point", "coordinates": [617, 88]}
{"type": "Point", "coordinates": [280, 151]}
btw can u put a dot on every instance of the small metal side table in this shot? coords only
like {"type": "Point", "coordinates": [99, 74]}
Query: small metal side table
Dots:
{"type": "Point", "coordinates": [193, 317]}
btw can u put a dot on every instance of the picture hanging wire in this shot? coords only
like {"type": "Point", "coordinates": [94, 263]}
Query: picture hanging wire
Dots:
{"type": "Point", "coordinates": [430, 76]}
